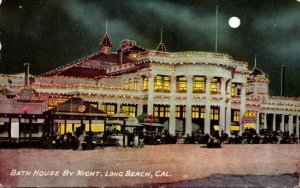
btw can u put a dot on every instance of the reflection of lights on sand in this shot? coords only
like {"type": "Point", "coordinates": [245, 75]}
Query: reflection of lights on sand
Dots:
{"type": "Point", "coordinates": [20, 6]}
{"type": "Point", "coordinates": [234, 22]}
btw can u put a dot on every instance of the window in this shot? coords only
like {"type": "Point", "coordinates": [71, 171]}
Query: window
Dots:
{"type": "Point", "coordinates": [250, 114]}
{"type": "Point", "coordinates": [214, 85]}
{"type": "Point", "coordinates": [125, 83]}
{"type": "Point", "coordinates": [177, 111]}
{"type": "Point", "coordinates": [199, 84]}
{"type": "Point", "coordinates": [233, 93]}
{"type": "Point", "coordinates": [236, 116]}
{"type": "Point", "coordinates": [181, 84]}
{"type": "Point", "coordinates": [158, 83]}
{"type": "Point", "coordinates": [167, 83]}
{"type": "Point", "coordinates": [135, 84]}
{"type": "Point", "coordinates": [195, 112]}
{"type": "Point", "coordinates": [155, 114]}
{"type": "Point", "coordinates": [108, 108]}
{"type": "Point", "coordinates": [161, 111]}
{"type": "Point", "coordinates": [180, 111]}
{"type": "Point", "coordinates": [202, 112]}
{"type": "Point", "coordinates": [162, 83]}
{"type": "Point", "coordinates": [130, 84]}
{"type": "Point", "coordinates": [129, 110]}
{"type": "Point", "coordinates": [214, 114]}
{"type": "Point", "coordinates": [145, 83]}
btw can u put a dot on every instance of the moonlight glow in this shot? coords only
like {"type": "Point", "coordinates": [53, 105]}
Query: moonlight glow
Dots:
{"type": "Point", "coordinates": [234, 22]}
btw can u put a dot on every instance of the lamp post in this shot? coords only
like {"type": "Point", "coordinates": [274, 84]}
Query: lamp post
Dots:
{"type": "Point", "coordinates": [124, 128]}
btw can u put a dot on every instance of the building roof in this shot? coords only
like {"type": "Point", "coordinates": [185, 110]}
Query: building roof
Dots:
{"type": "Point", "coordinates": [27, 94]}
{"type": "Point", "coordinates": [75, 106]}
{"type": "Point", "coordinates": [105, 41]}
{"type": "Point", "coordinates": [257, 71]}
{"type": "Point", "coordinates": [161, 47]}
{"type": "Point", "coordinates": [93, 66]}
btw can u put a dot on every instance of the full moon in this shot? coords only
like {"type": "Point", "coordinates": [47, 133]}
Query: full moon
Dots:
{"type": "Point", "coordinates": [234, 22]}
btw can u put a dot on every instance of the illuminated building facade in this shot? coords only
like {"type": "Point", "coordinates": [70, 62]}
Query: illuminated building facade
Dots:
{"type": "Point", "coordinates": [187, 91]}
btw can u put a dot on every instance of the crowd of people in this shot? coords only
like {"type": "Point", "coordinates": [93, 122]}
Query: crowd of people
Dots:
{"type": "Point", "coordinates": [250, 136]}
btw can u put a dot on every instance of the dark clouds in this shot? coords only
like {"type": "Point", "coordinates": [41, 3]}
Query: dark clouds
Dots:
{"type": "Point", "coordinates": [52, 33]}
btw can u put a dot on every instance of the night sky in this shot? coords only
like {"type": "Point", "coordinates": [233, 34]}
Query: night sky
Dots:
{"type": "Point", "coordinates": [48, 34]}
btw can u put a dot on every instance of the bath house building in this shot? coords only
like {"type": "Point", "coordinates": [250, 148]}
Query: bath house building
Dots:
{"type": "Point", "coordinates": [187, 91]}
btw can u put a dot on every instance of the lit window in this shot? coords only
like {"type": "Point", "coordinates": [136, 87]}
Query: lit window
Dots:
{"type": "Point", "coordinates": [202, 112]}
{"type": "Point", "coordinates": [184, 112]}
{"type": "Point", "coordinates": [236, 116]}
{"type": "Point", "coordinates": [214, 85]}
{"type": "Point", "coordinates": [161, 111]}
{"type": "Point", "coordinates": [135, 84]}
{"type": "Point", "coordinates": [167, 84]}
{"type": "Point", "coordinates": [214, 114]}
{"type": "Point", "coordinates": [167, 111]}
{"type": "Point", "coordinates": [130, 83]}
{"type": "Point", "coordinates": [108, 108]}
{"type": "Point", "coordinates": [155, 111]}
{"type": "Point", "coordinates": [129, 110]}
{"type": "Point", "coordinates": [158, 83]}
{"type": "Point", "coordinates": [145, 83]}
{"type": "Point", "coordinates": [162, 83]}
{"type": "Point", "coordinates": [181, 84]}
{"type": "Point", "coordinates": [199, 84]}
{"type": "Point", "coordinates": [233, 93]}
{"type": "Point", "coordinates": [250, 114]}
{"type": "Point", "coordinates": [125, 83]}
{"type": "Point", "coordinates": [177, 111]}
{"type": "Point", "coordinates": [195, 112]}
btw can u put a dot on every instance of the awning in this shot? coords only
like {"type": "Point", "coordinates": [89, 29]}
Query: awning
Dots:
{"type": "Point", "coordinates": [152, 124]}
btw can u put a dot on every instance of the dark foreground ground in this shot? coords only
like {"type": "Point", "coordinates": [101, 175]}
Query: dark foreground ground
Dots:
{"type": "Point", "coordinates": [221, 180]}
{"type": "Point", "coordinates": [162, 165]}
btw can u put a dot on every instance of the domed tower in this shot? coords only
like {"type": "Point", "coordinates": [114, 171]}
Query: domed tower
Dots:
{"type": "Point", "coordinates": [105, 44]}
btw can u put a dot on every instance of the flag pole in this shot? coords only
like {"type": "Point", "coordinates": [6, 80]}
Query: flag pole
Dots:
{"type": "Point", "coordinates": [217, 12]}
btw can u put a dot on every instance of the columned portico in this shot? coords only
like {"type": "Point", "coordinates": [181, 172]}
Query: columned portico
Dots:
{"type": "Point", "coordinates": [188, 118]}
{"type": "Point", "coordinates": [150, 94]}
{"type": "Point", "coordinates": [172, 120]}
{"type": "Point", "coordinates": [228, 109]}
{"type": "Point", "coordinates": [222, 105]}
{"type": "Point", "coordinates": [265, 120]}
{"type": "Point", "coordinates": [207, 106]}
{"type": "Point", "coordinates": [282, 123]}
{"type": "Point", "coordinates": [297, 126]}
{"type": "Point", "coordinates": [274, 123]}
{"type": "Point", "coordinates": [243, 107]}
{"type": "Point", "coordinates": [290, 124]}
{"type": "Point", "coordinates": [257, 127]}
